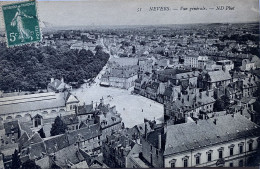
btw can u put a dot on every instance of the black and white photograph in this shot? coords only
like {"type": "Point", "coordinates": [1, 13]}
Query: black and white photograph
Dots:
{"type": "Point", "coordinates": [129, 84]}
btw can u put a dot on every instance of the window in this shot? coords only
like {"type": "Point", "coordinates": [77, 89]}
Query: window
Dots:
{"type": "Point", "coordinates": [231, 150]}
{"type": "Point", "coordinates": [37, 121]}
{"type": "Point", "coordinates": [172, 165]}
{"type": "Point", "coordinates": [157, 152]}
{"type": "Point", "coordinates": [185, 163]}
{"type": "Point", "coordinates": [209, 156]}
{"type": "Point", "coordinates": [250, 146]}
{"type": "Point", "coordinates": [230, 164]}
{"type": "Point", "coordinates": [240, 149]}
{"type": "Point", "coordinates": [220, 155]}
{"type": "Point", "coordinates": [198, 160]}
{"type": "Point", "coordinates": [241, 163]}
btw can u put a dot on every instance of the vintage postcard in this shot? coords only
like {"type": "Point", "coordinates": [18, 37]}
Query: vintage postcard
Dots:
{"type": "Point", "coordinates": [129, 84]}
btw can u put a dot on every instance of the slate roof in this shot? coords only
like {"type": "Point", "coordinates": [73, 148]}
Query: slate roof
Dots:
{"type": "Point", "coordinates": [220, 75]}
{"type": "Point", "coordinates": [168, 92]}
{"type": "Point", "coordinates": [31, 102]}
{"type": "Point", "coordinates": [187, 136]}
{"type": "Point", "coordinates": [70, 119]}
{"type": "Point", "coordinates": [37, 150]}
{"type": "Point", "coordinates": [68, 156]}
{"type": "Point", "coordinates": [124, 61]}
{"type": "Point", "coordinates": [85, 109]}
{"type": "Point", "coordinates": [58, 84]}
{"type": "Point", "coordinates": [11, 126]}
{"type": "Point", "coordinates": [152, 137]}
{"type": "Point", "coordinates": [23, 139]}
{"type": "Point", "coordinates": [56, 143]}
{"type": "Point", "coordinates": [194, 101]}
{"type": "Point", "coordinates": [110, 119]}
{"type": "Point", "coordinates": [36, 138]}
{"type": "Point", "coordinates": [121, 73]}
{"type": "Point", "coordinates": [187, 75]}
{"type": "Point", "coordinates": [86, 133]}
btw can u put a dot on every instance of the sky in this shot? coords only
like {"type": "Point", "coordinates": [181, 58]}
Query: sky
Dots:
{"type": "Point", "coordinates": [124, 12]}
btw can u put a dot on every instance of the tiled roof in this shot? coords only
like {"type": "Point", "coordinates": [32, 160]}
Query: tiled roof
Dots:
{"type": "Point", "coordinates": [187, 136]}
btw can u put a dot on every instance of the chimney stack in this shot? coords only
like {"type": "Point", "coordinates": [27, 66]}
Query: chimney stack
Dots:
{"type": "Point", "coordinates": [145, 131]}
{"type": "Point", "coordinates": [215, 121]}
{"type": "Point", "coordinates": [159, 141]}
{"type": "Point", "coordinates": [102, 101]}
{"type": "Point", "coordinates": [52, 80]}
{"type": "Point", "coordinates": [62, 80]}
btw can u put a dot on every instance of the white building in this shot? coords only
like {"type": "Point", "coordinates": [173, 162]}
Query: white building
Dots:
{"type": "Point", "coordinates": [228, 141]}
{"type": "Point", "coordinates": [48, 105]}
{"type": "Point", "coordinates": [247, 65]}
{"type": "Point", "coordinates": [202, 62]}
{"type": "Point", "coordinates": [191, 61]}
{"type": "Point", "coordinates": [225, 65]}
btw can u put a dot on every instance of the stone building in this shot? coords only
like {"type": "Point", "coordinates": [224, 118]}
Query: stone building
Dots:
{"type": "Point", "coordinates": [206, 143]}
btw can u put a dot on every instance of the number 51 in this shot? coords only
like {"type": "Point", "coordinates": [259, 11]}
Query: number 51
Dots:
{"type": "Point", "coordinates": [13, 37]}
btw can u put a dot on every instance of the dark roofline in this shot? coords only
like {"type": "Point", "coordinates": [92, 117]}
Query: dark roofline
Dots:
{"type": "Point", "coordinates": [213, 144]}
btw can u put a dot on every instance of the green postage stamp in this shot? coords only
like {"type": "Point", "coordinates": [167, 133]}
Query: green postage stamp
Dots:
{"type": "Point", "coordinates": [21, 23]}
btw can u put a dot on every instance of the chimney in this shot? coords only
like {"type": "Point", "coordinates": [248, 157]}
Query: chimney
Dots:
{"type": "Point", "coordinates": [52, 80]}
{"type": "Point", "coordinates": [207, 92]}
{"type": "Point", "coordinates": [159, 141]}
{"type": "Point", "coordinates": [145, 131]}
{"type": "Point", "coordinates": [102, 101]}
{"type": "Point", "coordinates": [62, 80]}
{"type": "Point", "coordinates": [215, 121]}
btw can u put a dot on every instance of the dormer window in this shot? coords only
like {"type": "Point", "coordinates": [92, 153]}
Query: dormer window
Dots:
{"type": "Point", "coordinates": [172, 162]}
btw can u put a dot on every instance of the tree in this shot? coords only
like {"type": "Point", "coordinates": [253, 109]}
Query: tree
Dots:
{"type": "Point", "coordinates": [41, 132]}
{"type": "Point", "coordinates": [222, 103]}
{"type": "Point", "coordinates": [58, 127]}
{"type": "Point", "coordinates": [16, 162]}
{"type": "Point", "coordinates": [30, 164]}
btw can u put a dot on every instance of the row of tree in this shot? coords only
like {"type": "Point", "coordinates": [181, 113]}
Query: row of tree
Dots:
{"type": "Point", "coordinates": [29, 68]}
